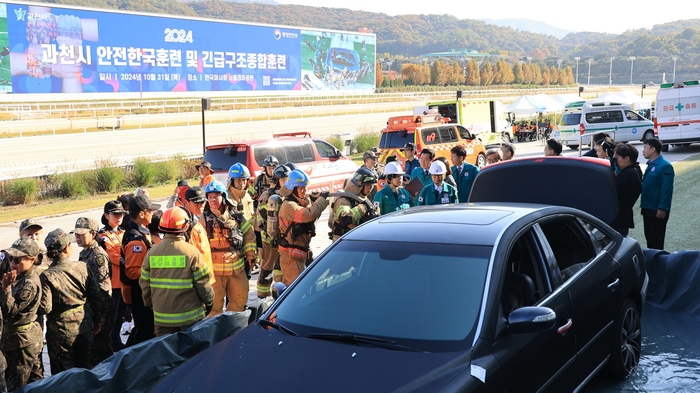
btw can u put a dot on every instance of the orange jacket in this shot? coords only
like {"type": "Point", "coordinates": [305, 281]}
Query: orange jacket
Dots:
{"type": "Point", "coordinates": [206, 180]}
{"type": "Point", "coordinates": [134, 253]}
{"type": "Point", "coordinates": [112, 241]}
{"type": "Point", "coordinates": [198, 238]}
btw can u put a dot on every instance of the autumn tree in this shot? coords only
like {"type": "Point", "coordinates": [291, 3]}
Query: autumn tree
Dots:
{"type": "Point", "coordinates": [517, 73]}
{"type": "Point", "coordinates": [527, 73]}
{"type": "Point", "coordinates": [536, 74]}
{"type": "Point", "coordinates": [486, 73]}
{"type": "Point", "coordinates": [413, 74]}
{"type": "Point", "coordinates": [507, 76]}
{"type": "Point", "coordinates": [472, 77]}
{"type": "Point", "coordinates": [457, 77]}
{"type": "Point", "coordinates": [379, 75]}
{"type": "Point", "coordinates": [553, 75]}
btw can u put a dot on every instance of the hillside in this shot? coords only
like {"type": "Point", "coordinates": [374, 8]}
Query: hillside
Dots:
{"type": "Point", "coordinates": [533, 26]}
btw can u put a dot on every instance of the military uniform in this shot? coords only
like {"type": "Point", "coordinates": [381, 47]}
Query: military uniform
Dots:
{"type": "Point", "coordinates": [389, 200]}
{"type": "Point", "coordinates": [22, 338]}
{"type": "Point", "coordinates": [175, 283]}
{"type": "Point", "coordinates": [232, 242]}
{"type": "Point", "coordinates": [98, 263]}
{"type": "Point", "coordinates": [66, 288]}
{"type": "Point", "coordinates": [270, 253]}
{"type": "Point", "coordinates": [349, 213]}
{"type": "Point", "coordinates": [296, 227]}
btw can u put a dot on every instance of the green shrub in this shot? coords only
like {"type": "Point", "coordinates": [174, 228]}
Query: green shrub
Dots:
{"type": "Point", "coordinates": [20, 191]}
{"type": "Point", "coordinates": [107, 179]}
{"type": "Point", "coordinates": [336, 141]}
{"type": "Point", "coordinates": [72, 185]}
{"type": "Point", "coordinates": [144, 172]}
{"type": "Point", "coordinates": [366, 141]}
{"type": "Point", "coordinates": [166, 171]}
{"type": "Point", "coordinates": [187, 169]}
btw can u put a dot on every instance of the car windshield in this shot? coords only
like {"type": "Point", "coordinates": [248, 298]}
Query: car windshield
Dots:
{"type": "Point", "coordinates": [395, 139]}
{"type": "Point", "coordinates": [424, 296]}
{"type": "Point", "coordinates": [571, 119]}
{"type": "Point", "coordinates": [222, 159]}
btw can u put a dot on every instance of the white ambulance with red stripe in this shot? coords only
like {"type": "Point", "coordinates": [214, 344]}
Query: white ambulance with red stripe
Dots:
{"type": "Point", "coordinates": [677, 120]}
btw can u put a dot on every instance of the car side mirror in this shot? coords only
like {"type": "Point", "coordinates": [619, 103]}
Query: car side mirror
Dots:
{"type": "Point", "coordinates": [277, 289]}
{"type": "Point", "coordinates": [336, 156]}
{"type": "Point", "coordinates": [531, 319]}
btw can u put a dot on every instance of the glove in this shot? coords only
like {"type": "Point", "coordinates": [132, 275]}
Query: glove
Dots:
{"type": "Point", "coordinates": [362, 208]}
{"type": "Point", "coordinates": [324, 194]}
{"type": "Point", "coordinates": [209, 307]}
{"type": "Point", "coordinates": [314, 195]}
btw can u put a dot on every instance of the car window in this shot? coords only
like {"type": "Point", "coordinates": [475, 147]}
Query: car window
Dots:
{"type": "Point", "coordinates": [325, 149]}
{"type": "Point", "coordinates": [431, 136]}
{"type": "Point", "coordinates": [614, 116]}
{"type": "Point", "coordinates": [570, 243]}
{"type": "Point", "coordinates": [447, 134]}
{"type": "Point", "coordinates": [395, 139]}
{"type": "Point", "coordinates": [300, 153]}
{"type": "Point", "coordinates": [600, 239]}
{"type": "Point", "coordinates": [262, 151]}
{"type": "Point", "coordinates": [391, 290]}
{"type": "Point", "coordinates": [631, 115]}
{"type": "Point", "coordinates": [526, 259]}
{"type": "Point", "coordinates": [222, 159]}
{"type": "Point", "coordinates": [571, 119]}
{"type": "Point", "coordinates": [464, 133]}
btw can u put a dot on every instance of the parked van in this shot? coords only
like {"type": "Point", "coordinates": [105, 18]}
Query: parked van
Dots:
{"type": "Point", "coordinates": [586, 117]}
{"type": "Point", "coordinates": [326, 166]}
{"type": "Point", "coordinates": [678, 113]}
{"type": "Point", "coordinates": [432, 132]}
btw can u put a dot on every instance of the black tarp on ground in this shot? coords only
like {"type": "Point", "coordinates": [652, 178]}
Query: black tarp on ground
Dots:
{"type": "Point", "coordinates": [670, 326]}
{"type": "Point", "coordinates": [137, 368]}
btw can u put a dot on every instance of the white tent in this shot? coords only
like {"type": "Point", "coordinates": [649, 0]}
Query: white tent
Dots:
{"type": "Point", "coordinates": [611, 97]}
{"type": "Point", "coordinates": [525, 105]}
{"type": "Point", "coordinates": [567, 98]}
{"type": "Point", "coordinates": [551, 105]}
{"type": "Point", "coordinates": [636, 101]}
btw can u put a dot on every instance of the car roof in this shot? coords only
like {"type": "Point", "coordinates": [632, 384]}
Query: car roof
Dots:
{"type": "Point", "coordinates": [468, 224]}
{"type": "Point", "coordinates": [279, 140]}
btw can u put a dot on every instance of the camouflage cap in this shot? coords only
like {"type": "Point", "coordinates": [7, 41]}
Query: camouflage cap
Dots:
{"type": "Point", "coordinates": [85, 225]}
{"type": "Point", "coordinates": [24, 247]}
{"type": "Point", "coordinates": [57, 240]}
{"type": "Point", "coordinates": [28, 223]}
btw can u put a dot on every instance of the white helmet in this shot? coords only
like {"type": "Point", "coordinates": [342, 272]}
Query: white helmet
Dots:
{"type": "Point", "coordinates": [437, 168]}
{"type": "Point", "coordinates": [393, 168]}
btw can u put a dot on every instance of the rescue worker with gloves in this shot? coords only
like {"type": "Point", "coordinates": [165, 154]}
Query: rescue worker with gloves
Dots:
{"type": "Point", "coordinates": [266, 178]}
{"type": "Point", "coordinates": [439, 192]}
{"type": "Point", "coordinates": [297, 217]}
{"type": "Point", "coordinates": [394, 197]}
{"type": "Point", "coordinates": [267, 224]}
{"type": "Point", "coordinates": [233, 247]}
{"type": "Point", "coordinates": [238, 176]}
{"type": "Point", "coordinates": [353, 207]}
{"type": "Point", "coordinates": [175, 278]}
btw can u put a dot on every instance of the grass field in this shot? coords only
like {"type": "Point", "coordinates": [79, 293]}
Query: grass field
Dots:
{"type": "Point", "coordinates": [680, 234]}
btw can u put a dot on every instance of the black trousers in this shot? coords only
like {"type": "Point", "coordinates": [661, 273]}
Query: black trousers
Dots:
{"type": "Point", "coordinates": [144, 326]}
{"type": "Point", "coordinates": [119, 310]}
{"type": "Point", "coordinates": [654, 229]}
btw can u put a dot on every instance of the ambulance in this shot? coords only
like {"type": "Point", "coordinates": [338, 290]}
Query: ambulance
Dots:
{"type": "Point", "coordinates": [431, 131]}
{"type": "Point", "coordinates": [677, 118]}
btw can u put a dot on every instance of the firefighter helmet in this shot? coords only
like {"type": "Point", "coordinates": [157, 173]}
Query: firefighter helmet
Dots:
{"type": "Point", "coordinates": [296, 178]}
{"type": "Point", "coordinates": [271, 161]}
{"type": "Point", "coordinates": [281, 171]}
{"type": "Point", "coordinates": [393, 168]}
{"type": "Point", "coordinates": [437, 168]}
{"type": "Point", "coordinates": [215, 186]}
{"type": "Point", "coordinates": [291, 166]}
{"type": "Point", "coordinates": [364, 176]}
{"type": "Point", "coordinates": [174, 220]}
{"type": "Point", "coordinates": [238, 171]}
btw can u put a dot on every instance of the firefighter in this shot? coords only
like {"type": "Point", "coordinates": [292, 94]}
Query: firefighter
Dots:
{"type": "Point", "coordinates": [22, 340]}
{"type": "Point", "coordinates": [266, 223]}
{"type": "Point", "coordinates": [232, 243]}
{"type": "Point", "coordinates": [350, 212]}
{"type": "Point", "coordinates": [394, 197]}
{"type": "Point", "coordinates": [238, 176]}
{"type": "Point", "coordinates": [206, 174]}
{"type": "Point", "coordinates": [175, 278]}
{"type": "Point", "coordinates": [439, 192]}
{"type": "Point", "coordinates": [136, 242]}
{"type": "Point", "coordinates": [194, 204]}
{"type": "Point", "coordinates": [265, 179]}
{"type": "Point", "coordinates": [297, 217]}
{"type": "Point", "coordinates": [110, 238]}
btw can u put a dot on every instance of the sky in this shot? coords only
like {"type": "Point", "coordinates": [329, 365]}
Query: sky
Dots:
{"type": "Point", "coordinates": [604, 16]}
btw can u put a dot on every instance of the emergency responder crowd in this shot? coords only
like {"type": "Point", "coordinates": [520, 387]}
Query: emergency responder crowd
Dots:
{"type": "Point", "coordinates": [168, 270]}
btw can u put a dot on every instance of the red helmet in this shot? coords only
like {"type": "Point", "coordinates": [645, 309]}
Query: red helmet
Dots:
{"type": "Point", "coordinates": [174, 220]}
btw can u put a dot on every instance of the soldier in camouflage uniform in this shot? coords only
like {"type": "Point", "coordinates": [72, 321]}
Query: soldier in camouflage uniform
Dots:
{"type": "Point", "coordinates": [66, 287]}
{"type": "Point", "coordinates": [22, 341]}
{"type": "Point", "coordinates": [97, 261]}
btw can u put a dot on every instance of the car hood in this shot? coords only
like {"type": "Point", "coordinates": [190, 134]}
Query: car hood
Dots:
{"type": "Point", "coordinates": [586, 184]}
{"type": "Point", "coordinates": [256, 357]}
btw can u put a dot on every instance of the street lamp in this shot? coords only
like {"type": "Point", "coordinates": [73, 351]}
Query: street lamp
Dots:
{"type": "Point", "coordinates": [674, 68]}
{"type": "Point", "coordinates": [610, 76]}
{"type": "Point", "coordinates": [589, 71]}
{"type": "Point", "coordinates": [631, 67]}
{"type": "Point", "coordinates": [577, 59]}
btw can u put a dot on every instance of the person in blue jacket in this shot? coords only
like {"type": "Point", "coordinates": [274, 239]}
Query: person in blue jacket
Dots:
{"type": "Point", "coordinates": [393, 196]}
{"type": "Point", "coordinates": [438, 193]}
{"type": "Point", "coordinates": [657, 192]}
{"type": "Point", "coordinates": [463, 172]}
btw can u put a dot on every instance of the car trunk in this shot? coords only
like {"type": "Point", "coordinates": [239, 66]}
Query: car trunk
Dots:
{"type": "Point", "coordinates": [587, 184]}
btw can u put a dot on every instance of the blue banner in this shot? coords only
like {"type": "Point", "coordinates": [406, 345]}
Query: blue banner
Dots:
{"type": "Point", "coordinates": [55, 50]}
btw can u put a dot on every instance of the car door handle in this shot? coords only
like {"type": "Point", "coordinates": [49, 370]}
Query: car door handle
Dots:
{"type": "Point", "coordinates": [614, 284]}
{"type": "Point", "coordinates": [563, 328]}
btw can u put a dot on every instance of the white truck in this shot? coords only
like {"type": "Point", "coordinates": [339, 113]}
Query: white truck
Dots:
{"type": "Point", "coordinates": [677, 120]}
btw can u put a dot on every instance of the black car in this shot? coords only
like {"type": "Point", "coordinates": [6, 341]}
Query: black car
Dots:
{"type": "Point", "coordinates": [487, 296]}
